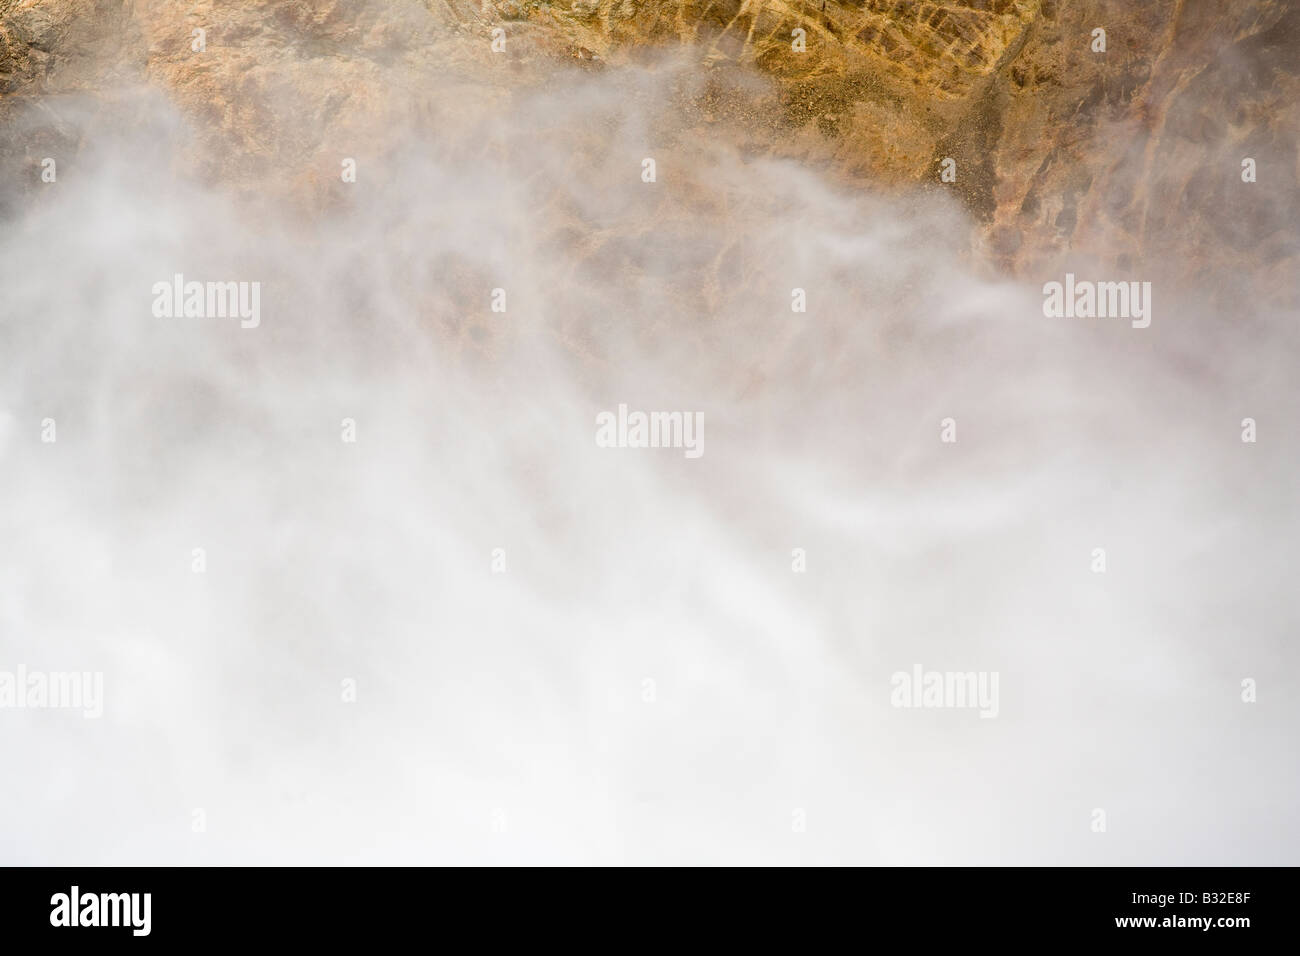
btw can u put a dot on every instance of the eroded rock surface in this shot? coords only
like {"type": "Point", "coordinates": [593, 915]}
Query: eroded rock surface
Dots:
{"type": "Point", "coordinates": [1118, 156]}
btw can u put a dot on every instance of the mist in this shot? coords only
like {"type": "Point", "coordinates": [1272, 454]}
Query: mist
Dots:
{"type": "Point", "coordinates": [473, 635]}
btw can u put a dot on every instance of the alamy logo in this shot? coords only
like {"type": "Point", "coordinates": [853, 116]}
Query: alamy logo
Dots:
{"type": "Point", "coordinates": [651, 430]}
{"type": "Point", "coordinates": [1098, 300]}
{"type": "Point", "coordinates": [102, 909]}
{"type": "Point", "coordinates": [179, 299]}
{"type": "Point", "coordinates": [946, 689]}
{"type": "Point", "coordinates": [56, 690]}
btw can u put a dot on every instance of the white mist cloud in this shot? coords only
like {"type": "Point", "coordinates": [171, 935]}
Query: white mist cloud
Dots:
{"type": "Point", "coordinates": [502, 717]}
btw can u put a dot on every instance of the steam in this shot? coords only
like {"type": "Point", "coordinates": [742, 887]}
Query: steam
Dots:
{"type": "Point", "coordinates": [648, 681]}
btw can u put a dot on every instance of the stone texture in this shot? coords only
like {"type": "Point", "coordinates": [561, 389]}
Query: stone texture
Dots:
{"type": "Point", "coordinates": [1116, 156]}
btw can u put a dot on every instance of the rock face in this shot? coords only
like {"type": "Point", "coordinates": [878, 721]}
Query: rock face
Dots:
{"type": "Point", "coordinates": [1060, 148]}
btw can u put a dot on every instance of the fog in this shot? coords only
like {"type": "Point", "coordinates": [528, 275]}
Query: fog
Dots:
{"type": "Point", "coordinates": [639, 674]}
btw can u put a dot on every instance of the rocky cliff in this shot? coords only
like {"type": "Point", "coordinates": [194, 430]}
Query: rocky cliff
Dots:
{"type": "Point", "coordinates": [1058, 147]}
